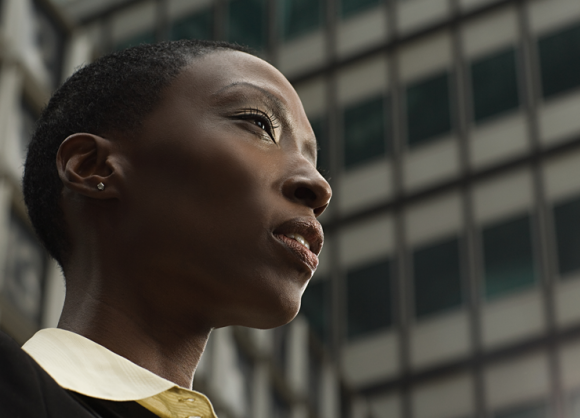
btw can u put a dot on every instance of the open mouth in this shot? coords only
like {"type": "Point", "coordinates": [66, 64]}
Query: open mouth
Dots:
{"type": "Point", "coordinates": [299, 238]}
{"type": "Point", "coordinates": [303, 237]}
{"type": "Point", "coordinates": [299, 249]}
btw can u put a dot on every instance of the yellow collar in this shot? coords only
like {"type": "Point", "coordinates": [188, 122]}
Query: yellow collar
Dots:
{"type": "Point", "coordinates": [81, 365]}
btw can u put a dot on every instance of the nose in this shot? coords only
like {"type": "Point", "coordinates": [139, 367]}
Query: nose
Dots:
{"type": "Point", "coordinates": [308, 188]}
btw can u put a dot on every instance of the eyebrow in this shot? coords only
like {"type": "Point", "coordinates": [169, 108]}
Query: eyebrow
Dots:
{"type": "Point", "coordinates": [274, 101]}
{"type": "Point", "coordinates": [278, 106]}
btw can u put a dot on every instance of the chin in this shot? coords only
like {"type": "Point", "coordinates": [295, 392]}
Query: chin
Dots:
{"type": "Point", "coordinates": [265, 302]}
{"type": "Point", "coordinates": [274, 315]}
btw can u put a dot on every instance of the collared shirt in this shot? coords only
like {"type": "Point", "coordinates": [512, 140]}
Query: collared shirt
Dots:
{"type": "Point", "coordinates": [83, 366]}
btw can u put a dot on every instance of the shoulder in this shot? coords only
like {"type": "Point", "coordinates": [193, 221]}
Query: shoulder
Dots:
{"type": "Point", "coordinates": [26, 390]}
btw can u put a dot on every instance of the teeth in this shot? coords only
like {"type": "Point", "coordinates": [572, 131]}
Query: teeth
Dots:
{"type": "Point", "coordinates": [299, 238]}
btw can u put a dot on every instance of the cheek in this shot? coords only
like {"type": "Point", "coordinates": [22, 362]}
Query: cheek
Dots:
{"type": "Point", "coordinates": [209, 198]}
{"type": "Point", "coordinates": [218, 165]}
{"type": "Point", "coordinates": [234, 184]}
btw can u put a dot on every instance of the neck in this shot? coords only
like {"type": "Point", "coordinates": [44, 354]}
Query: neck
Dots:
{"type": "Point", "coordinates": [147, 338]}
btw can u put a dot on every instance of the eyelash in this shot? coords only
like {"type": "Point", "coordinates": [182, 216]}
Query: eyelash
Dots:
{"type": "Point", "coordinates": [256, 115]}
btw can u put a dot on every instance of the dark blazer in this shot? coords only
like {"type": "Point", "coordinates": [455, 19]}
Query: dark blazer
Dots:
{"type": "Point", "coordinates": [27, 391]}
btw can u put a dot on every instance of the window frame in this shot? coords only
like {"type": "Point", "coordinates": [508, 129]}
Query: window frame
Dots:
{"type": "Point", "coordinates": [460, 242]}
{"type": "Point", "coordinates": [386, 262]}
{"type": "Point", "coordinates": [535, 268]}
{"type": "Point", "coordinates": [451, 101]}
{"type": "Point", "coordinates": [518, 85]}
{"type": "Point", "coordinates": [385, 126]}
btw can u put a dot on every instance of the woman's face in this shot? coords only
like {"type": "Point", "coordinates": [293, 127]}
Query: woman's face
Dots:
{"type": "Point", "coordinates": [221, 177]}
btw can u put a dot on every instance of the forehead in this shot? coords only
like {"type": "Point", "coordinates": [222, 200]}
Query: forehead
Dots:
{"type": "Point", "coordinates": [216, 70]}
{"type": "Point", "coordinates": [214, 78]}
{"type": "Point", "coordinates": [210, 75]}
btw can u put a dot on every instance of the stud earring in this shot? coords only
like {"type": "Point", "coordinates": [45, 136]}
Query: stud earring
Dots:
{"type": "Point", "coordinates": [101, 186]}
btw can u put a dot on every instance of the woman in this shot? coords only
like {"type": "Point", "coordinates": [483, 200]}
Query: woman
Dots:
{"type": "Point", "coordinates": [176, 185]}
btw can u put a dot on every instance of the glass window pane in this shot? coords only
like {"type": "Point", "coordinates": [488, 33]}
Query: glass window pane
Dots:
{"type": "Point", "coordinates": [50, 38]}
{"type": "Point", "coordinates": [368, 299]}
{"type": "Point", "coordinates": [280, 347]}
{"type": "Point", "coordinates": [196, 26]}
{"type": "Point", "coordinates": [245, 373]}
{"type": "Point", "coordinates": [28, 118]}
{"type": "Point", "coordinates": [352, 7]}
{"type": "Point", "coordinates": [575, 405]}
{"type": "Point", "coordinates": [323, 161]}
{"type": "Point", "coordinates": [364, 131]}
{"type": "Point", "coordinates": [437, 275]}
{"type": "Point", "coordinates": [566, 220]}
{"type": "Point", "coordinates": [316, 307]}
{"type": "Point", "coordinates": [247, 23]}
{"type": "Point", "coordinates": [428, 109]}
{"type": "Point", "coordinates": [508, 256]}
{"type": "Point", "coordinates": [532, 411]}
{"type": "Point", "coordinates": [280, 407]}
{"type": "Point", "coordinates": [142, 38]}
{"type": "Point", "coordinates": [300, 17]}
{"type": "Point", "coordinates": [560, 61]}
{"type": "Point", "coordinates": [495, 84]}
{"type": "Point", "coordinates": [315, 362]}
{"type": "Point", "coordinates": [25, 270]}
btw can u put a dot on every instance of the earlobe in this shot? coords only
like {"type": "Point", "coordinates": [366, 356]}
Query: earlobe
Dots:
{"type": "Point", "coordinates": [85, 165]}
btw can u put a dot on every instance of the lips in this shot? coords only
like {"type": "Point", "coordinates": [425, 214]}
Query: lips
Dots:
{"type": "Point", "coordinates": [304, 237]}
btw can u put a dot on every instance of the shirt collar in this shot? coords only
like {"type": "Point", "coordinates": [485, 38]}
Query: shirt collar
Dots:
{"type": "Point", "coordinates": [81, 365]}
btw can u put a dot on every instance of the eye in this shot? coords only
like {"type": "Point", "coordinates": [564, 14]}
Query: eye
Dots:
{"type": "Point", "coordinates": [262, 125]}
{"type": "Point", "coordinates": [261, 120]}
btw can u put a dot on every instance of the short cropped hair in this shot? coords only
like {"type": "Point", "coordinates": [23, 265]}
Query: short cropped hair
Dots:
{"type": "Point", "coordinates": [110, 95]}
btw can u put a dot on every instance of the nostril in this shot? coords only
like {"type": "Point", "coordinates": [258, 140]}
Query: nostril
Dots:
{"type": "Point", "coordinates": [318, 211]}
{"type": "Point", "coordinates": [311, 191]}
{"type": "Point", "coordinates": [305, 194]}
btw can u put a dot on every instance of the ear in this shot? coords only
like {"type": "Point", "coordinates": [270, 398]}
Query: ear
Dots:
{"type": "Point", "coordinates": [84, 161]}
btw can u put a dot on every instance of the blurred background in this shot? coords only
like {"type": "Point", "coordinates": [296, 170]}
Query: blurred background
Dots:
{"type": "Point", "coordinates": [449, 285]}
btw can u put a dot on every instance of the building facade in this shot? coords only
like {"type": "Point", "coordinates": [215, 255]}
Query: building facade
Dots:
{"type": "Point", "coordinates": [449, 285]}
{"type": "Point", "coordinates": [33, 39]}
{"type": "Point", "coordinates": [281, 373]}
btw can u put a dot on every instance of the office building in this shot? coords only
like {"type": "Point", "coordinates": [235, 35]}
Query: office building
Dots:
{"type": "Point", "coordinates": [280, 373]}
{"type": "Point", "coordinates": [449, 285]}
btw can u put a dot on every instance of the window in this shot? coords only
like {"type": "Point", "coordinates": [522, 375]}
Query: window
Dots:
{"type": "Point", "coordinates": [494, 84]}
{"type": "Point", "coordinates": [50, 38]}
{"type": "Point", "coordinates": [300, 17]}
{"type": "Point", "coordinates": [280, 407]}
{"type": "Point", "coordinates": [323, 161]}
{"type": "Point", "coordinates": [533, 411]}
{"type": "Point", "coordinates": [437, 274]}
{"type": "Point", "coordinates": [428, 109]}
{"type": "Point", "coordinates": [247, 23]}
{"type": "Point", "coordinates": [352, 7]}
{"type": "Point", "coordinates": [246, 373]}
{"type": "Point", "coordinates": [195, 26]}
{"type": "Point", "coordinates": [280, 348]}
{"type": "Point", "coordinates": [142, 38]}
{"type": "Point", "coordinates": [364, 131]}
{"type": "Point", "coordinates": [25, 271]}
{"type": "Point", "coordinates": [368, 298]}
{"type": "Point", "coordinates": [559, 55]}
{"type": "Point", "coordinates": [315, 361]}
{"type": "Point", "coordinates": [508, 256]}
{"type": "Point", "coordinates": [28, 117]}
{"type": "Point", "coordinates": [574, 402]}
{"type": "Point", "coordinates": [316, 307]}
{"type": "Point", "coordinates": [566, 216]}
